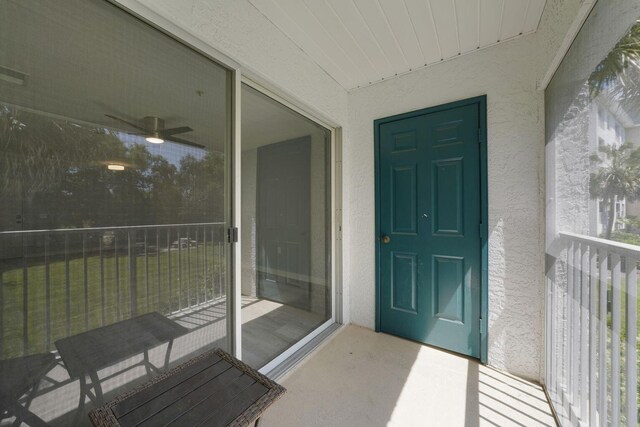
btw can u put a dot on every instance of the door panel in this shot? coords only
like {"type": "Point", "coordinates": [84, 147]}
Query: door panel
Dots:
{"type": "Point", "coordinates": [429, 207]}
{"type": "Point", "coordinates": [283, 222]}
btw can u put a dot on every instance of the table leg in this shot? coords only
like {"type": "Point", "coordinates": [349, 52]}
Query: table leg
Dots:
{"type": "Point", "coordinates": [167, 356]}
{"type": "Point", "coordinates": [97, 387]}
{"type": "Point", "coordinates": [83, 395]}
{"type": "Point", "coordinates": [26, 416]}
{"type": "Point", "coordinates": [147, 364]}
{"type": "Point", "coordinates": [257, 422]}
{"type": "Point", "coordinates": [30, 396]}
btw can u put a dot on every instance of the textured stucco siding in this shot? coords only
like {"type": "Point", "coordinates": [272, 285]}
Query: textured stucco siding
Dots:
{"type": "Point", "coordinates": [508, 74]}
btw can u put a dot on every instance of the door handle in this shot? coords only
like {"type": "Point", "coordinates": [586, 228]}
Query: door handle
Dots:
{"type": "Point", "coordinates": [385, 239]}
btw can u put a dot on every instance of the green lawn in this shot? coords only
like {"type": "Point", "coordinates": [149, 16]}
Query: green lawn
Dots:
{"type": "Point", "coordinates": [67, 315]}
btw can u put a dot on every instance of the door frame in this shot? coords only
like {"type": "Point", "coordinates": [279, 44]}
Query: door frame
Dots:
{"type": "Point", "coordinates": [481, 102]}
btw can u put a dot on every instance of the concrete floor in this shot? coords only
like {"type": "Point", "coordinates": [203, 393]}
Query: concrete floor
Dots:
{"type": "Point", "coordinates": [361, 378]}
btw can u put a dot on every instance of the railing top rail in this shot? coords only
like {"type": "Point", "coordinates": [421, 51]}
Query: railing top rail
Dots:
{"type": "Point", "coordinates": [610, 245]}
{"type": "Point", "coordinates": [116, 228]}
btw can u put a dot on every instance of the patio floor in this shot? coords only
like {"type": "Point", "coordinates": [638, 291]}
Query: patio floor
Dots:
{"type": "Point", "coordinates": [362, 378]}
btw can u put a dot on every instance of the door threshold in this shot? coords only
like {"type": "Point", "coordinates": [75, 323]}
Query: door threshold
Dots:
{"type": "Point", "coordinates": [292, 361]}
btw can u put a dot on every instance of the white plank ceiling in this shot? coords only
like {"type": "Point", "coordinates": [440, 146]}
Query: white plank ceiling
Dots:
{"type": "Point", "coordinates": [361, 42]}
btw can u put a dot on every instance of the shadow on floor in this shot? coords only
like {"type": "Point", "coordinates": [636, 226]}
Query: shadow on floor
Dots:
{"type": "Point", "coordinates": [361, 378]}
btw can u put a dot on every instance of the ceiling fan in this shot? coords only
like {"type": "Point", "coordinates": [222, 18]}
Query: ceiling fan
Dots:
{"type": "Point", "coordinates": [152, 128]}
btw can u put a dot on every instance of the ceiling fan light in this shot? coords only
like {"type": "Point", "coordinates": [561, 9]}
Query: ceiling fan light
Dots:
{"type": "Point", "coordinates": [154, 140]}
{"type": "Point", "coordinates": [115, 167]}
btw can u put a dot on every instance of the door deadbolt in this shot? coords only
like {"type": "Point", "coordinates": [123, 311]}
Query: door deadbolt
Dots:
{"type": "Point", "coordinates": [385, 239]}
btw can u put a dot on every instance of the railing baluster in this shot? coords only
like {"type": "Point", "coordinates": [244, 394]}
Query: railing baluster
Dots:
{"type": "Point", "coordinates": [593, 310]}
{"type": "Point", "coordinates": [213, 265]}
{"type": "Point", "coordinates": [67, 284]}
{"type": "Point", "coordinates": [602, 338]}
{"type": "Point", "coordinates": [220, 271]}
{"type": "Point", "coordinates": [25, 300]}
{"type": "Point", "coordinates": [188, 269]}
{"type": "Point", "coordinates": [615, 342]}
{"type": "Point", "coordinates": [550, 325]}
{"type": "Point", "coordinates": [116, 264]}
{"type": "Point", "coordinates": [85, 280]}
{"type": "Point", "coordinates": [133, 273]}
{"type": "Point", "coordinates": [575, 322]}
{"type": "Point", "coordinates": [584, 334]}
{"type": "Point", "coordinates": [204, 262]}
{"type": "Point", "coordinates": [197, 269]}
{"type": "Point", "coordinates": [568, 306]}
{"type": "Point", "coordinates": [631, 369]}
{"type": "Point", "coordinates": [169, 268]}
{"type": "Point", "coordinates": [179, 271]}
{"type": "Point", "coordinates": [102, 296]}
{"type": "Point", "coordinates": [146, 271]}
{"type": "Point", "coordinates": [158, 279]}
{"type": "Point", "coordinates": [47, 295]}
{"type": "Point", "coordinates": [567, 338]}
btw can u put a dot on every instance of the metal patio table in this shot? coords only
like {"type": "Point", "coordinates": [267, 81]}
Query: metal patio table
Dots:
{"type": "Point", "coordinates": [88, 352]}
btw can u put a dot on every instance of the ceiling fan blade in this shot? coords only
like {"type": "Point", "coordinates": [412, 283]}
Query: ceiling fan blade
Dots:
{"type": "Point", "coordinates": [174, 131]}
{"type": "Point", "coordinates": [127, 122]}
{"type": "Point", "coordinates": [184, 142]}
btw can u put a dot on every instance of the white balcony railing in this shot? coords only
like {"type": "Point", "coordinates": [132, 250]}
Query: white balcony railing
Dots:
{"type": "Point", "coordinates": [591, 332]}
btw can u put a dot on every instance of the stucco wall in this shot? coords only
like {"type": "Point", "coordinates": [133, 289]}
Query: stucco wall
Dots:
{"type": "Point", "coordinates": [508, 74]}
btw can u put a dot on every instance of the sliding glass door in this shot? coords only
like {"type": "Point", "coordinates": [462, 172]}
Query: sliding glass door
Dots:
{"type": "Point", "coordinates": [117, 257]}
{"type": "Point", "coordinates": [114, 177]}
{"type": "Point", "coordinates": [286, 227]}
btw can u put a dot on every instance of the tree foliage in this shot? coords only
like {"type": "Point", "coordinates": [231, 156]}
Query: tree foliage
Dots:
{"type": "Point", "coordinates": [53, 174]}
{"type": "Point", "coordinates": [613, 69]}
{"type": "Point", "coordinates": [617, 177]}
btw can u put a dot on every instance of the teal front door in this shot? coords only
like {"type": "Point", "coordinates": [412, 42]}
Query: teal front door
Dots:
{"type": "Point", "coordinates": [429, 227]}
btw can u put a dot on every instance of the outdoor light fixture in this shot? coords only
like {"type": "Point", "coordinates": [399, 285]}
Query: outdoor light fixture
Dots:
{"type": "Point", "coordinates": [154, 140]}
{"type": "Point", "coordinates": [114, 167]}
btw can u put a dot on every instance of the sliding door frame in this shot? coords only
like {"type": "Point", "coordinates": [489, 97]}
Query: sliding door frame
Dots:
{"type": "Point", "coordinates": [238, 76]}
{"type": "Point", "coordinates": [335, 213]}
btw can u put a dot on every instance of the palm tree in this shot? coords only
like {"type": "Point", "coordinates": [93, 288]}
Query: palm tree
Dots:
{"type": "Point", "coordinates": [613, 74]}
{"type": "Point", "coordinates": [617, 177]}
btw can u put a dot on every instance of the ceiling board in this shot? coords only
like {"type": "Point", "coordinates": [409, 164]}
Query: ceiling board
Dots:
{"type": "Point", "coordinates": [305, 19]}
{"type": "Point", "coordinates": [360, 42]}
{"type": "Point", "coordinates": [468, 20]}
{"type": "Point", "coordinates": [444, 15]}
{"type": "Point", "coordinates": [424, 27]}
{"type": "Point", "coordinates": [513, 18]}
{"type": "Point", "coordinates": [354, 23]}
{"type": "Point", "coordinates": [289, 25]}
{"type": "Point", "coordinates": [379, 26]}
{"type": "Point", "coordinates": [533, 15]}
{"type": "Point", "coordinates": [342, 37]}
{"type": "Point", "coordinates": [402, 27]}
{"type": "Point", "coordinates": [490, 20]}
